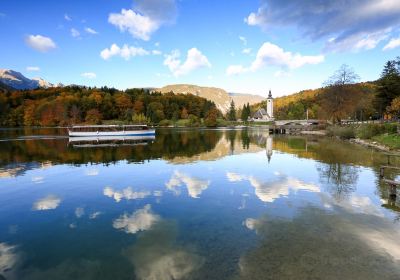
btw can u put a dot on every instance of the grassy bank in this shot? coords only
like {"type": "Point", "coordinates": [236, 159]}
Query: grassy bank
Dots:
{"type": "Point", "coordinates": [384, 134]}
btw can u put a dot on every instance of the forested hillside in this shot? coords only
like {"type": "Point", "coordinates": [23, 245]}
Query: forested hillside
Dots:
{"type": "Point", "coordinates": [75, 104]}
{"type": "Point", "coordinates": [342, 97]}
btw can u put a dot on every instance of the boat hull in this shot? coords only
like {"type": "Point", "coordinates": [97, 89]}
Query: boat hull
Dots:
{"type": "Point", "coordinates": [111, 133]}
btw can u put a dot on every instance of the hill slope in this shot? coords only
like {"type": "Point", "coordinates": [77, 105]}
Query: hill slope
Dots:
{"type": "Point", "coordinates": [220, 97]}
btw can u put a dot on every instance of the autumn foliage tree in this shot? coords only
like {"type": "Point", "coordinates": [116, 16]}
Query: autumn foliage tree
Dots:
{"type": "Point", "coordinates": [93, 116]}
{"type": "Point", "coordinates": [340, 94]}
{"type": "Point", "coordinates": [74, 104]}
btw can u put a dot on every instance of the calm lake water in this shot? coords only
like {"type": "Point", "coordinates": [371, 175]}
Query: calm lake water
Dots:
{"type": "Point", "coordinates": [194, 204]}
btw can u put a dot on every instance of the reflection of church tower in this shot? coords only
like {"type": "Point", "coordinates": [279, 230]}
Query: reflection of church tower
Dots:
{"type": "Point", "coordinates": [268, 147]}
{"type": "Point", "coordinates": [270, 105]}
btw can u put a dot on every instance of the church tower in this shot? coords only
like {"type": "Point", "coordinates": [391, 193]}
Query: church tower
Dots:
{"type": "Point", "coordinates": [270, 105]}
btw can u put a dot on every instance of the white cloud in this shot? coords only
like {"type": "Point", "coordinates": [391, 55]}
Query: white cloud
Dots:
{"type": "Point", "coordinates": [246, 51]}
{"type": "Point", "coordinates": [195, 60]}
{"type": "Point", "coordinates": [269, 191]}
{"type": "Point", "coordinates": [75, 33]}
{"type": "Point", "coordinates": [270, 54]}
{"type": "Point", "coordinates": [40, 43]}
{"type": "Point", "coordinates": [125, 52]}
{"type": "Point", "coordinates": [140, 220]}
{"type": "Point", "coordinates": [91, 31]}
{"type": "Point", "coordinates": [234, 177]}
{"type": "Point", "coordinates": [243, 39]}
{"type": "Point", "coordinates": [357, 42]}
{"type": "Point", "coordinates": [163, 262]}
{"type": "Point", "coordinates": [67, 17]}
{"type": "Point", "coordinates": [90, 75]}
{"type": "Point", "coordinates": [8, 258]}
{"type": "Point", "coordinates": [156, 52]}
{"type": "Point", "coordinates": [392, 44]}
{"type": "Point", "coordinates": [146, 17]}
{"type": "Point", "coordinates": [47, 203]}
{"type": "Point", "coordinates": [139, 26]}
{"type": "Point", "coordinates": [37, 179]}
{"type": "Point", "coordinates": [93, 171]}
{"type": "Point", "coordinates": [354, 204]}
{"type": "Point", "coordinates": [195, 186]}
{"type": "Point", "coordinates": [32, 68]}
{"type": "Point", "coordinates": [79, 212]}
{"type": "Point", "coordinates": [127, 193]}
{"type": "Point", "coordinates": [351, 22]}
{"type": "Point", "coordinates": [94, 215]}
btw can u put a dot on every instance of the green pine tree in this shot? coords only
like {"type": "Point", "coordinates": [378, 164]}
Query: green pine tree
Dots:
{"type": "Point", "coordinates": [232, 112]}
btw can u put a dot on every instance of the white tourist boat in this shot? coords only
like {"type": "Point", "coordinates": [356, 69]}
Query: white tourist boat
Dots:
{"type": "Point", "coordinates": [110, 130]}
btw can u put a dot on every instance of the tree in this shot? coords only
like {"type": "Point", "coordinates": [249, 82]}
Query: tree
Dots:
{"type": "Point", "coordinates": [93, 116]}
{"type": "Point", "coordinates": [245, 112]}
{"type": "Point", "coordinates": [394, 108]}
{"type": "Point", "coordinates": [232, 112]}
{"type": "Point", "coordinates": [388, 85]}
{"type": "Point", "coordinates": [184, 114]}
{"type": "Point", "coordinates": [155, 112]}
{"type": "Point", "coordinates": [138, 107]}
{"type": "Point", "coordinates": [211, 118]}
{"type": "Point", "coordinates": [140, 119]}
{"type": "Point", "coordinates": [345, 75]}
{"type": "Point", "coordinates": [75, 114]}
{"type": "Point", "coordinates": [340, 95]}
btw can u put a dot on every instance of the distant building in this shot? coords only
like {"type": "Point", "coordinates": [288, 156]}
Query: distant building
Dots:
{"type": "Point", "coordinates": [265, 114]}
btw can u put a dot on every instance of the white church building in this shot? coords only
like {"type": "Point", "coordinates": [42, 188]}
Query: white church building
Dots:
{"type": "Point", "coordinates": [265, 114]}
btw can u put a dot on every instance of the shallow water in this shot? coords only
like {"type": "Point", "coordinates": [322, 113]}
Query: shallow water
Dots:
{"type": "Point", "coordinates": [195, 204]}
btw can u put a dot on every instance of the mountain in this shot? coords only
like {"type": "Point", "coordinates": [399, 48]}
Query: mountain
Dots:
{"type": "Point", "coordinates": [18, 81]}
{"type": "Point", "coordinates": [220, 97]}
{"type": "Point", "coordinates": [241, 99]}
{"type": "Point", "coordinates": [5, 88]}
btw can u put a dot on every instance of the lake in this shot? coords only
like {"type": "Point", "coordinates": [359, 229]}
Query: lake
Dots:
{"type": "Point", "coordinates": [195, 204]}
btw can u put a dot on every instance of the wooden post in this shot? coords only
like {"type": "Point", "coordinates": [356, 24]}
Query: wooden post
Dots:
{"type": "Point", "coordinates": [382, 172]}
{"type": "Point", "coordinates": [392, 191]}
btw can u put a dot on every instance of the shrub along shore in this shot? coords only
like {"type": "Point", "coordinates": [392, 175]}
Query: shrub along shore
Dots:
{"type": "Point", "coordinates": [384, 136]}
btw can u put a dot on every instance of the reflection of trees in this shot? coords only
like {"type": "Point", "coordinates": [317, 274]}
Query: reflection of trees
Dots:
{"type": "Point", "coordinates": [168, 144]}
{"type": "Point", "coordinates": [341, 179]}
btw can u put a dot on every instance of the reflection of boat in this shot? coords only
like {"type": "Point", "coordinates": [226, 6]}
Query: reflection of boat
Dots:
{"type": "Point", "coordinates": [109, 130]}
{"type": "Point", "coordinates": [110, 141]}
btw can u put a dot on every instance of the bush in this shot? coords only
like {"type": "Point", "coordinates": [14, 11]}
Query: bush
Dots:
{"type": "Point", "coordinates": [165, 123]}
{"type": "Point", "coordinates": [222, 122]}
{"type": "Point", "coordinates": [391, 128]}
{"type": "Point", "coordinates": [194, 121]}
{"type": "Point", "coordinates": [367, 131]}
{"type": "Point", "coordinates": [345, 132]}
{"type": "Point", "coordinates": [182, 123]}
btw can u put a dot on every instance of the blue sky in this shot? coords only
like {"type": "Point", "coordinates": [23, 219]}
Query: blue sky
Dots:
{"type": "Point", "coordinates": [247, 46]}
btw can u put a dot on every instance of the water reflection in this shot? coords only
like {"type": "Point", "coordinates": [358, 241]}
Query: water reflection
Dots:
{"type": "Point", "coordinates": [317, 244]}
{"type": "Point", "coordinates": [195, 186]}
{"type": "Point", "coordinates": [127, 194]}
{"type": "Point", "coordinates": [341, 179]}
{"type": "Point", "coordinates": [273, 189]}
{"type": "Point", "coordinates": [8, 260]}
{"type": "Point", "coordinates": [156, 255]}
{"type": "Point", "coordinates": [47, 203]}
{"type": "Point", "coordinates": [196, 204]}
{"type": "Point", "coordinates": [140, 220]}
